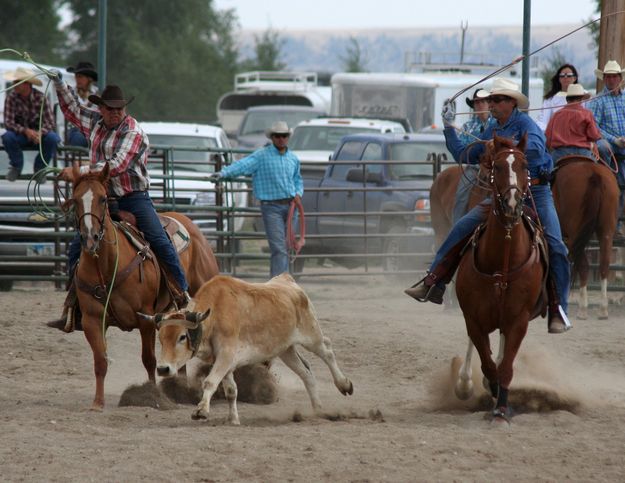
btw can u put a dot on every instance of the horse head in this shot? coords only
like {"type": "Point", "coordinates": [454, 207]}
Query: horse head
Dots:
{"type": "Point", "coordinates": [508, 177]}
{"type": "Point", "coordinates": [90, 202]}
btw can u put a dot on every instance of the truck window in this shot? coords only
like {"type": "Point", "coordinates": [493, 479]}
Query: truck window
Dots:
{"type": "Point", "coordinates": [339, 172]}
{"type": "Point", "coordinates": [373, 152]}
{"type": "Point", "coordinates": [423, 153]}
{"type": "Point", "coordinates": [350, 151]}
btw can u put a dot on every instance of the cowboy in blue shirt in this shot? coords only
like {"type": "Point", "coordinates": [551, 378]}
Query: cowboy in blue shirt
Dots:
{"type": "Point", "coordinates": [504, 102]}
{"type": "Point", "coordinates": [276, 181]}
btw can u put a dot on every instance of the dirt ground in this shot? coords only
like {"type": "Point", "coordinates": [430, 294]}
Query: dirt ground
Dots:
{"type": "Point", "coordinates": [401, 424]}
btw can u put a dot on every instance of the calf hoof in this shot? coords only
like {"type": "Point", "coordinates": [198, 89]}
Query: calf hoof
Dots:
{"type": "Point", "coordinates": [199, 414]}
{"type": "Point", "coordinates": [464, 389]}
{"type": "Point", "coordinates": [349, 391]}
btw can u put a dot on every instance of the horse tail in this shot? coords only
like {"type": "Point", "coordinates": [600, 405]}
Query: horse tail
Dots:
{"type": "Point", "coordinates": [590, 214]}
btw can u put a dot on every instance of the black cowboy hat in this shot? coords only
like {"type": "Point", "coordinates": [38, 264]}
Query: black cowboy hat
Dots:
{"type": "Point", "coordinates": [478, 94]}
{"type": "Point", "coordinates": [112, 96]}
{"type": "Point", "coordinates": [84, 68]}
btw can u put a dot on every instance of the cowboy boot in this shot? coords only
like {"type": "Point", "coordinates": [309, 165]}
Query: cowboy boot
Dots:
{"type": "Point", "coordinates": [427, 290]}
{"type": "Point", "coordinates": [557, 321]}
{"type": "Point", "coordinates": [71, 315]}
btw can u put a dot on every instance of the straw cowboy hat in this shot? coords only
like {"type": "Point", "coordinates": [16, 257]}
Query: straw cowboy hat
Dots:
{"type": "Point", "coordinates": [22, 73]}
{"type": "Point", "coordinates": [112, 96]}
{"type": "Point", "coordinates": [577, 90]}
{"type": "Point", "coordinates": [84, 68]}
{"type": "Point", "coordinates": [278, 127]}
{"type": "Point", "coordinates": [611, 67]}
{"type": "Point", "coordinates": [506, 87]}
{"type": "Point", "coordinates": [478, 94]}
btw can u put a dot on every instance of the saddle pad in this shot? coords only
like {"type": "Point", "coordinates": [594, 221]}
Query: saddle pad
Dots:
{"type": "Point", "coordinates": [178, 234]}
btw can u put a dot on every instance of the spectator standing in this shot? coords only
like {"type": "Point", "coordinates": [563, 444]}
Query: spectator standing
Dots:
{"type": "Point", "coordinates": [470, 132]}
{"type": "Point", "coordinates": [276, 181]}
{"type": "Point", "coordinates": [86, 79]}
{"type": "Point", "coordinates": [572, 129]}
{"type": "Point", "coordinates": [555, 97]}
{"type": "Point", "coordinates": [22, 110]}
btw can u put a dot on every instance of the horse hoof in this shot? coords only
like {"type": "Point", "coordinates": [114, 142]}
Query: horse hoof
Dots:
{"type": "Point", "coordinates": [199, 414]}
{"type": "Point", "coordinates": [349, 391]}
{"type": "Point", "coordinates": [501, 416]}
{"type": "Point", "coordinates": [464, 390]}
{"type": "Point", "coordinates": [97, 408]}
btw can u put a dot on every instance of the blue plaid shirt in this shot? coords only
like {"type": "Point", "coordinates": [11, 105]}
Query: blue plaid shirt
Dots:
{"type": "Point", "coordinates": [472, 129]}
{"type": "Point", "coordinates": [609, 112]}
{"type": "Point", "coordinates": [275, 175]}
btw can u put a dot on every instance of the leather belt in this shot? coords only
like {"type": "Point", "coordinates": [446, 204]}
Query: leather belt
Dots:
{"type": "Point", "coordinates": [283, 201]}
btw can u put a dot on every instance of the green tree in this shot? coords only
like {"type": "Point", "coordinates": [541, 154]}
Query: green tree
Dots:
{"type": "Point", "coordinates": [32, 26]}
{"type": "Point", "coordinates": [176, 58]}
{"type": "Point", "coordinates": [354, 59]}
{"type": "Point", "coordinates": [594, 28]}
{"type": "Point", "coordinates": [268, 51]}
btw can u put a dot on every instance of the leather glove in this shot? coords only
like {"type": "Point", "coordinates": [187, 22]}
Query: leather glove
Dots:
{"type": "Point", "coordinates": [216, 177]}
{"type": "Point", "coordinates": [449, 112]}
{"type": "Point", "coordinates": [54, 75]}
{"type": "Point", "coordinates": [620, 142]}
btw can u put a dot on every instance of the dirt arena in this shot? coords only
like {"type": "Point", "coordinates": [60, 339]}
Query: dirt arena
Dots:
{"type": "Point", "coordinates": [401, 424]}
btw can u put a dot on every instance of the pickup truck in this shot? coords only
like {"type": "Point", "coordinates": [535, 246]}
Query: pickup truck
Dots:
{"type": "Point", "coordinates": [388, 176]}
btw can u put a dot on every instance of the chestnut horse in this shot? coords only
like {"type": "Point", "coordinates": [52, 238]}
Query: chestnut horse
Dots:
{"type": "Point", "coordinates": [586, 198]}
{"type": "Point", "coordinates": [501, 277]}
{"type": "Point", "coordinates": [108, 258]}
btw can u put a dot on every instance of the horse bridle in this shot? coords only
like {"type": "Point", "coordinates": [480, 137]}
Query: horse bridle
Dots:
{"type": "Point", "coordinates": [99, 235]}
{"type": "Point", "coordinates": [498, 201]}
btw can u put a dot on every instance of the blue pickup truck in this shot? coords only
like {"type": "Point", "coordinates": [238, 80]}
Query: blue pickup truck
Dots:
{"type": "Point", "coordinates": [373, 198]}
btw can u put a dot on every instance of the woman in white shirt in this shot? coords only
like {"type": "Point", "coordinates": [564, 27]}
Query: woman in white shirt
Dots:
{"type": "Point", "coordinates": [556, 96]}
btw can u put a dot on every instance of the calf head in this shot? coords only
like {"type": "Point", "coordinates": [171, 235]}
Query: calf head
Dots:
{"type": "Point", "coordinates": [180, 334]}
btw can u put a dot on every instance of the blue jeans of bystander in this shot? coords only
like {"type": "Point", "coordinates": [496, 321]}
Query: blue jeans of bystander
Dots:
{"type": "Point", "coordinates": [14, 144]}
{"type": "Point", "coordinates": [275, 217]}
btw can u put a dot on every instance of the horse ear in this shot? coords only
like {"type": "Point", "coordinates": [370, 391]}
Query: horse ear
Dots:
{"type": "Point", "coordinates": [486, 159]}
{"type": "Point", "coordinates": [522, 143]}
{"type": "Point", "coordinates": [496, 143]}
{"type": "Point", "coordinates": [75, 171]}
{"type": "Point", "coordinates": [104, 173]}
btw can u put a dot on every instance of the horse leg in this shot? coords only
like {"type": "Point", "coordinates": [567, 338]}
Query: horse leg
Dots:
{"type": "Point", "coordinates": [148, 344]}
{"type": "Point", "coordinates": [92, 327]}
{"type": "Point", "coordinates": [489, 369]}
{"type": "Point", "coordinates": [511, 344]}
{"type": "Point", "coordinates": [605, 254]}
{"type": "Point", "coordinates": [581, 267]}
{"type": "Point", "coordinates": [464, 383]}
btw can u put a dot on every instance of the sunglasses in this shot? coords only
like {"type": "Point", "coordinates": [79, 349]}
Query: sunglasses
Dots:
{"type": "Point", "coordinates": [498, 99]}
{"type": "Point", "coordinates": [280, 135]}
{"type": "Point", "coordinates": [566, 75]}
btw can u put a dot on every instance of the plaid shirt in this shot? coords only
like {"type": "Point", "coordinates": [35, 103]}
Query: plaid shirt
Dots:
{"type": "Point", "coordinates": [21, 113]}
{"type": "Point", "coordinates": [124, 147]}
{"type": "Point", "coordinates": [275, 175]}
{"type": "Point", "coordinates": [609, 112]}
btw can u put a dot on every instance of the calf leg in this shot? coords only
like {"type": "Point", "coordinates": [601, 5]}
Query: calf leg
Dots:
{"type": "Point", "coordinates": [230, 389]}
{"type": "Point", "coordinates": [300, 366]}
{"type": "Point", "coordinates": [323, 348]}
{"type": "Point", "coordinates": [223, 365]}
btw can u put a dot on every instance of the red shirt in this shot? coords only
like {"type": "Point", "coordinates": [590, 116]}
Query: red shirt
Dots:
{"type": "Point", "coordinates": [573, 125]}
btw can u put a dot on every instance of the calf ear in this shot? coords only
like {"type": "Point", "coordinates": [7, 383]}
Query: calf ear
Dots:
{"type": "Point", "coordinates": [156, 319]}
{"type": "Point", "coordinates": [197, 317]}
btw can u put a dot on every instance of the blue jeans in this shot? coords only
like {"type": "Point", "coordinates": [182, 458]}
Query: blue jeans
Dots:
{"type": "Point", "coordinates": [76, 138]}
{"type": "Point", "coordinates": [14, 144]}
{"type": "Point", "coordinates": [558, 153]}
{"type": "Point", "coordinates": [140, 205]}
{"type": "Point", "coordinates": [558, 260]}
{"type": "Point", "coordinates": [275, 218]}
{"type": "Point", "coordinates": [463, 191]}
{"type": "Point", "coordinates": [606, 150]}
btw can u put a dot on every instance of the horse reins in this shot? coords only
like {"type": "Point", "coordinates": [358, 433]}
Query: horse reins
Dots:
{"type": "Point", "coordinates": [295, 244]}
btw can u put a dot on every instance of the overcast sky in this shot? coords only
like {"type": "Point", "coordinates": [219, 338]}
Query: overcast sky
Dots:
{"type": "Point", "coordinates": [356, 14]}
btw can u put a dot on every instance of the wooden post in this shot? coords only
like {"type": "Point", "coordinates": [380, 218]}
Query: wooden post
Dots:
{"type": "Point", "coordinates": [611, 35]}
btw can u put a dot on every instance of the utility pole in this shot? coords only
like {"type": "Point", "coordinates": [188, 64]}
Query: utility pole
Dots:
{"type": "Point", "coordinates": [525, 68]}
{"type": "Point", "coordinates": [463, 26]}
{"type": "Point", "coordinates": [611, 35]}
{"type": "Point", "coordinates": [101, 44]}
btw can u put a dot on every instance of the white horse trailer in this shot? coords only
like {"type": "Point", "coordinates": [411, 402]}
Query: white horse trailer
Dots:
{"type": "Point", "coordinates": [270, 89]}
{"type": "Point", "coordinates": [417, 97]}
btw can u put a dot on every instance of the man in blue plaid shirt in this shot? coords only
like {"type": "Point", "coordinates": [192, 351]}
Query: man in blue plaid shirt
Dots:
{"type": "Point", "coordinates": [609, 111]}
{"type": "Point", "coordinates": [276, 181]}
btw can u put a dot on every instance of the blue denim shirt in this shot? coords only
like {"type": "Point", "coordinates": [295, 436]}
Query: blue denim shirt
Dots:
{"type": "Point", "coordinates": [519, 123]}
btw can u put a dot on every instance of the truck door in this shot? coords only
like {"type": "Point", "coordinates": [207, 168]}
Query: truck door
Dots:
{"type": "Point", "coordinates": [355, 200]}
{"type": "Point", "coordinates": [333, 199]}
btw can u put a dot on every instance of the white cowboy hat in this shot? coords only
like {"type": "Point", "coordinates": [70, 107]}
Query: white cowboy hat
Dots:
{"type": "Point", "coordinates": [22, 73]}
{"type": "Point", "coordinates": [577, 90]}
{"type": "Point", "coordinates": [278, 127]}
{"type": "Point", "coordinates": [611, 67]}
{"type": "Point", "coordinates": [506, 87]}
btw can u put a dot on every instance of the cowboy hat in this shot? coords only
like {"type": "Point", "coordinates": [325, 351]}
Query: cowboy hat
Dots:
{"type": "Point", "coordinates": [478, 94]}
{"type": "Point", "coordinates": [24, 74]}
{"type": "Point", "coordinates": [506, 87]}
{"type": "Point", "coordinates": [577, 90]}
{"type": "Point", "coordinates": [611, 67]}
{"type": "Point", "coordinates": [278, 127]}
{"type": "Point", "coordinates": [84, 68]}
{"type": "Point", "coordinates": [112, 96]}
